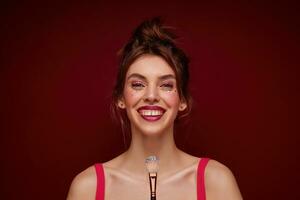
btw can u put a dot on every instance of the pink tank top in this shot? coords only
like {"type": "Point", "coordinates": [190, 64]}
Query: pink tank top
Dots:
{"type": "Point", "coordinates": [200, 180]}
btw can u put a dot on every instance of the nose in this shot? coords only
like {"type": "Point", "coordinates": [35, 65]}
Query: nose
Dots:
{"type": "Point", "coordinates": [151, 95]}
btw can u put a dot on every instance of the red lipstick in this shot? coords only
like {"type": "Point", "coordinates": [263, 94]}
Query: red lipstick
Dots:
{"type": "Point", "coordinates": [151, 113]}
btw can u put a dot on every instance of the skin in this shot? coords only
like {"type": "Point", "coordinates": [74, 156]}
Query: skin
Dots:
{"type": "Point", "coordinates": [126, 175]}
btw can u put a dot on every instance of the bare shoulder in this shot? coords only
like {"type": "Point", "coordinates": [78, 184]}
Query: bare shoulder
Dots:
{"type": "Point", "coordinates": [220, 182]}
{"type": "Point", "coordinates": [83, 185]}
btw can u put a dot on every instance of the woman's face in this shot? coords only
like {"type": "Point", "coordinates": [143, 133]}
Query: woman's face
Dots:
{"type": "Point", "coordinates": [150, 96]}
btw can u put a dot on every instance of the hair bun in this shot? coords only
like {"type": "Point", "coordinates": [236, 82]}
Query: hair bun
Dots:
{"type": "Point", "coordinates": [152, 31]}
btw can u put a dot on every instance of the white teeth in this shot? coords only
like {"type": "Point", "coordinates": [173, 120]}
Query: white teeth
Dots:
{"type": "Point", "coordinates": [151, 112]}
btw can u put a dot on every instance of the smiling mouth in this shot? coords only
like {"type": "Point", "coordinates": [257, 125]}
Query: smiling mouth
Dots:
{"type": "Point", "coordinates": [151, 113]}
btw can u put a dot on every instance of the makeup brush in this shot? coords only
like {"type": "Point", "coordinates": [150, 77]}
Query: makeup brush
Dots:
{"type": "Point", "coordinates": [152, 167]}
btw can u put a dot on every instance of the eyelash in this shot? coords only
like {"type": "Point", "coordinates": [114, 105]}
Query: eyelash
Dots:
{"type": "Point", "coordinates": [137, 85]}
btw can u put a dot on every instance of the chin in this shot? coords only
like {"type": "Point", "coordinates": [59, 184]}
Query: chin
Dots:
{"type": "Point", "coordinates": [152, 132]}
{"type": "Point", "coordinates": [152, 129]}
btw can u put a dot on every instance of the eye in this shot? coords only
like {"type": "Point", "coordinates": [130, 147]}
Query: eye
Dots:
{"type": "Point", "coordinates": [167, 86]}
{"type": "Point", "coordinates": [137, 85]}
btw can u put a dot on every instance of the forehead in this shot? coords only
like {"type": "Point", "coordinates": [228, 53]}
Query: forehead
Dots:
{"type": "Point", "coordinates": [150, 66]}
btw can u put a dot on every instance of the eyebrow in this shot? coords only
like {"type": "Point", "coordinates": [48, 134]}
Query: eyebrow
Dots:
{"type": "Point", "coordinates": [163, 77]}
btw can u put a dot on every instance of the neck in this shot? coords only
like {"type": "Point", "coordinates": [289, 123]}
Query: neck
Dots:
{"type": "Point", "coordinates": [161, 145]}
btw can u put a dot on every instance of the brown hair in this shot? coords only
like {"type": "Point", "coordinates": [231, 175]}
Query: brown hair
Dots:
{"type": "Point", "coordinates": [151, 37]}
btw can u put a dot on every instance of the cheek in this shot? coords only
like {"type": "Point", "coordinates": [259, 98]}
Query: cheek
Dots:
{"type": "Point", "coordinates": [171, 98]}
{"type": "Point", "coordinates": [131, 97]}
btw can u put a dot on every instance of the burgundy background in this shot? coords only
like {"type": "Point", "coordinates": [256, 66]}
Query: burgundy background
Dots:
{"type": "Point", "coordinates": [58, 66]}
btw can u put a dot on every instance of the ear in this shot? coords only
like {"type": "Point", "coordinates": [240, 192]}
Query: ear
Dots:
{"type": "Point", "coordinates": [121, 103]}
{"type": "Point", "coordinates": [182, 105]}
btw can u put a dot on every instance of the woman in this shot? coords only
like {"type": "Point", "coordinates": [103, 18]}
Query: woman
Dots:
{"type": "Point", "coordinates": [149, 97]}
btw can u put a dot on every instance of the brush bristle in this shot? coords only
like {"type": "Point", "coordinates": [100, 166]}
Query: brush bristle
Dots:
{"type": "Point", "coordinates": [152, 164]}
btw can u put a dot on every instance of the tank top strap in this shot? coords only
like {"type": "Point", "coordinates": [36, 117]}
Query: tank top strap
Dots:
{"type": "Point", "coordinates": [100, 181]}
{"type": "Point", "coordinates": [200, 179]}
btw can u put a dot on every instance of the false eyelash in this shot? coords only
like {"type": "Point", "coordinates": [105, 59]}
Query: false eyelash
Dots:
{"type": "Point", "coordinates": [168, 85]}
{"type": "Point", "coordinates": [137, 85]}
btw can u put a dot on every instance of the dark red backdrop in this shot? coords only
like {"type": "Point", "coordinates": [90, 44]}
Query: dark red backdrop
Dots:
{"type": "Point", "coordinates": [58, 64]}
